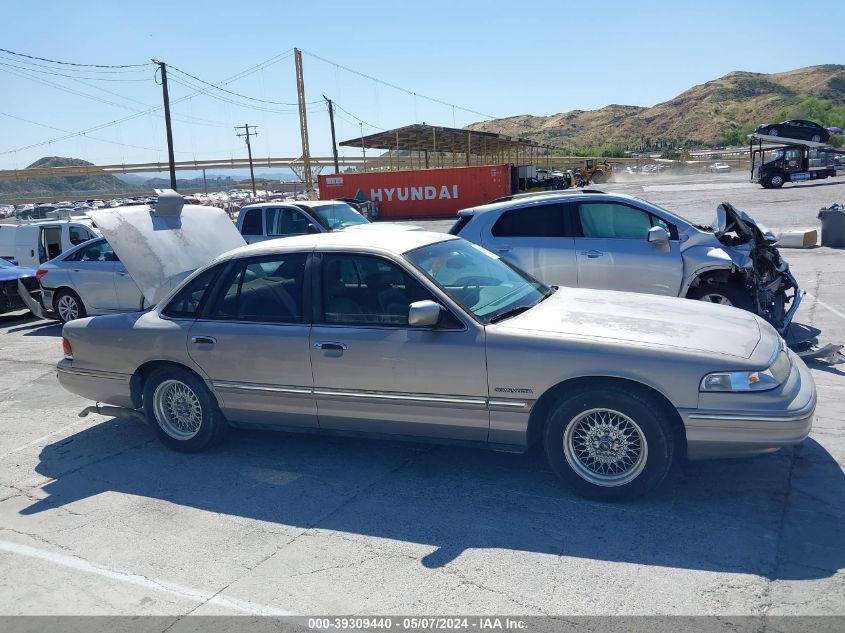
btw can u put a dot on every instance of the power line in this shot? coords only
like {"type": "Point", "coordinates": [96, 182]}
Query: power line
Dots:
{"type": "Point", "coordinates": [54, 61]}
{"type": "Point", "coordinates": [244, 73]}
{"type": "Point", "coordinates": [359, 119]}
{"type": "Point", "coordinates": [399, 88]}
{"type": "Point", "coordinates": [236, 94]}
{"type": "Point", "coordinates": [48, 72]}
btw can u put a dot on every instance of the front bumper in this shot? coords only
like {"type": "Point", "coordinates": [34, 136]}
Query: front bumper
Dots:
{"type": "Point", "coordinates": [783, 421]}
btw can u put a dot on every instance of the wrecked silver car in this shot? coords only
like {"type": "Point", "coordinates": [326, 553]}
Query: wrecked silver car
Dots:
{"type": "Point", "coordinates": [592, 239]}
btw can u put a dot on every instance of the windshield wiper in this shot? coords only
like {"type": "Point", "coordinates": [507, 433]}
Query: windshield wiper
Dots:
{"type": "Point", "coordinates": [507, 314]}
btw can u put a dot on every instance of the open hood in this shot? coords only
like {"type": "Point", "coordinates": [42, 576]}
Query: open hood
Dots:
{"type": "Point", "coordinates": [729, 218]}
{"type": "Point", "coordinates": [161, 245]}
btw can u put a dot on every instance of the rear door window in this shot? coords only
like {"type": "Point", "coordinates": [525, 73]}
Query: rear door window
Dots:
{"type": "Point", "coordinates": [545, 220]}
{"type": "Point", "coordinates": [252, 223]}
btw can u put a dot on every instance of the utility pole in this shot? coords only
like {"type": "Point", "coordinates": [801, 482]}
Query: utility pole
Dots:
{"type": "Point", "coordinates": [246, 134]}
{"type": "Point", "coordinates": [363, 150]}
{"type": "Point", "coordinates": [166, 96]}
{"type": "Point", "coordinates": [303, 122]}
{"type": "Point", "coordinates": [334, 141]}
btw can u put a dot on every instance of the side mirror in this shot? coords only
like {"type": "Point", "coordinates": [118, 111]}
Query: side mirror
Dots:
{"type": "Point", "coordinates": [658, 235]}
{"type": "Point", "coordinates": [312, 229]}
{"type": "Point", "coordinates": [424, 314]}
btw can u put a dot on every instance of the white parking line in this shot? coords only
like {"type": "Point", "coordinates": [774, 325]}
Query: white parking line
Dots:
{"type": "Point", "coordinates": [42, 439]}
{"type": "Point", "coordinates": [841, 315]}
{"type": "Point", "coordinates": [181, 591]}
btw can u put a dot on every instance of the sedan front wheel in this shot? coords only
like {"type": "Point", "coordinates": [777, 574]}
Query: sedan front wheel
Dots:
{"type": "Point", "coordinates": [609, 443]}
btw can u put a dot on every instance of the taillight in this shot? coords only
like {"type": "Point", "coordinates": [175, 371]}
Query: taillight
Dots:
{"type": "Point", "coordinates": [67, 349]}
{"type": "Point", "coordinates": [40, 273]}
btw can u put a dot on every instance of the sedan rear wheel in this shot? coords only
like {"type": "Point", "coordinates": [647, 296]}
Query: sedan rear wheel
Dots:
{"type": "Point", "coordinates": [183, 411]}
{"type": "Point", "coordinates": [68, 306]}
{"type": "Point", "coordinates": [773, 131]}
{"type": "Point", "coordinates": [612, 442]}
{"type": "Point", "coordinates": [816, 138]}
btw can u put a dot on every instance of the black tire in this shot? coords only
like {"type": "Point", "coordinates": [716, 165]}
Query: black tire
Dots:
{"type": "Point", "coordinates": [640, 407]}
{"type": "Point", "coordinates": [817, 138]}
{"type": "Point", "coordinates": [598, 177]}
{"type": "Point", "coordinates": [734, 294]}
{"type": "Point", "coordinates": [776, 181]}
{"type": "Point", "coordinates": [773, 132]}
{"type": "Point", "coordinates": [63, 302]}
{"type": "Point", "coordinates": [212, 424]}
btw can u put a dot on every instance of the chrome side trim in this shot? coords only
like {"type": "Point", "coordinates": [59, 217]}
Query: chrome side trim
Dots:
{"type": "Point", "coordinates": [267, 389]}
{"type": "Point", "coordinates": [92, 373]}
{"type": "Point", "coordinates": [480, 402]}
{"type": "Point", "coordinates": [747, 418]}
{"type": "Point", "coordinates": [508, 404]}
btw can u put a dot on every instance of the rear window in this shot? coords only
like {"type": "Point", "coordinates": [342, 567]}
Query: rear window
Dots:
{"type": "Point", "coordinates": [188, 301]}
{"type": "Point", "coordinates": [461, 222]}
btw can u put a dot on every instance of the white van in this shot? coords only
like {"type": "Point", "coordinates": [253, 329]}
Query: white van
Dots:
{"type": "Point", "coordinates": [34, 243]}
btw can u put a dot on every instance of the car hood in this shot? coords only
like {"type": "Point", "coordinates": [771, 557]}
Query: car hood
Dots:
{"type": "Point", "coordinates": [163, 245]}
{"type": "Point", "coordinates": [10, 274]}
{"type": "Point", "coordinates": [641, 319]}
{"type": "Point", "coordinates": [729, 218]}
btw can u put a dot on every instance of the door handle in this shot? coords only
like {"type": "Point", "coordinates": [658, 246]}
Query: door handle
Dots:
{"type": "Point", "coordinates": [123, 273]}
{"type": "Point", "coordinates": [504, 249]}
{"type": "Point", "coordinates": [330, 346]}
{"type": "Point", "coordinates": [592, 254]}
{"type": "Point", "coordinates": [203, 340]}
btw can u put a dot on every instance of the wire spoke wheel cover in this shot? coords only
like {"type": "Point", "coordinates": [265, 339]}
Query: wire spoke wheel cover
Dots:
{"type": "Point", "coordinates": [605, 447]}
{"type": "Point", "coordinates": [177, 409]}
{"type": "Point", "coordinates": [68, 308]}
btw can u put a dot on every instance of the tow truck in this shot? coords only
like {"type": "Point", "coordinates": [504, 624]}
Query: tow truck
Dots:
{"type": "Point", "coordinates": [789, 160]}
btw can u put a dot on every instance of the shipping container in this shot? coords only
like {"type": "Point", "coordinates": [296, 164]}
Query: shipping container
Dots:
{"type": "Point", "coordinates": [423, 193]}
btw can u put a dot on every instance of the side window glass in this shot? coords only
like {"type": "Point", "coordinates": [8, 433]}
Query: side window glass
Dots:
{"type": "Point", "coordinates": [265, 289]}
{"type": "Point", "coordinates": [188, 301]}
{"type": "Point", "coordinates": [364, 290]}
{"type": "Point", "coordinates": [609, 220]}
{"type": "Point", "coordinates": [281, 222]}
{"type": "Point", "coordinates": [545, 220]}
{"type": "Point", "coordinates": [99, 252]}
{"type": "Point", "coordinates": [77, 235]}
{"type": "Point", "coordinates": [252, 222]}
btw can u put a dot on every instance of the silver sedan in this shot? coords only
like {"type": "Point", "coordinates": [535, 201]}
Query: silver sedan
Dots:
{"type": "Point", "coordinates": [415, 334]}
{"type": "Point", "coordinates": [87, 280]}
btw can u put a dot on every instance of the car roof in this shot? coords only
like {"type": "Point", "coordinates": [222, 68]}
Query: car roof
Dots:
{"type": "Point", "coordinates": [388, 241]}
{"type": "Point", "coordinates": [293, 203]}
{"type": "Point", "coordinates": [546, 196]}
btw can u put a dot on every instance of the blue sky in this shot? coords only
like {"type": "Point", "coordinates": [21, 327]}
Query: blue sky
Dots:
{"type": "Point", "coordinates": [498, 58]}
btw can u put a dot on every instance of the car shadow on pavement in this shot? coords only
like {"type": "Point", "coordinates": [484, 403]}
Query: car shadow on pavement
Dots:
{"type": "Point", "coordinates": [777, 516]}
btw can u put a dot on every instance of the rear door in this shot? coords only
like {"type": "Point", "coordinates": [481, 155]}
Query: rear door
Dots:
{"type": "Point", "coordinates": [537, 238]}
{"type": "Point", "coordinates": [92, 270]}
{"type": "Point", "coordinates": [252, 341]}
{"type": "Point", "coordinates": [49, 242]}
{"type": "Point", "coordinates": [614, 253]}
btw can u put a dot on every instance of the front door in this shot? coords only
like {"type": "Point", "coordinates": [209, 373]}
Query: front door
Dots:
{"type": "Point", "coordinates": [252, 342]}
{"type": "Point", "coordinates": [539, 240]}
{"type": "Point", "coordinates": [373, 372]}
{"type": "Point", "coordinates": [615, 254]}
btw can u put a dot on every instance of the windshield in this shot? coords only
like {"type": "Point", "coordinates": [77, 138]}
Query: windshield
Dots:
{"type": "Point", "coordinates": [338, 216]}
{"type": "Point", "coordinates": [476, 279]}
